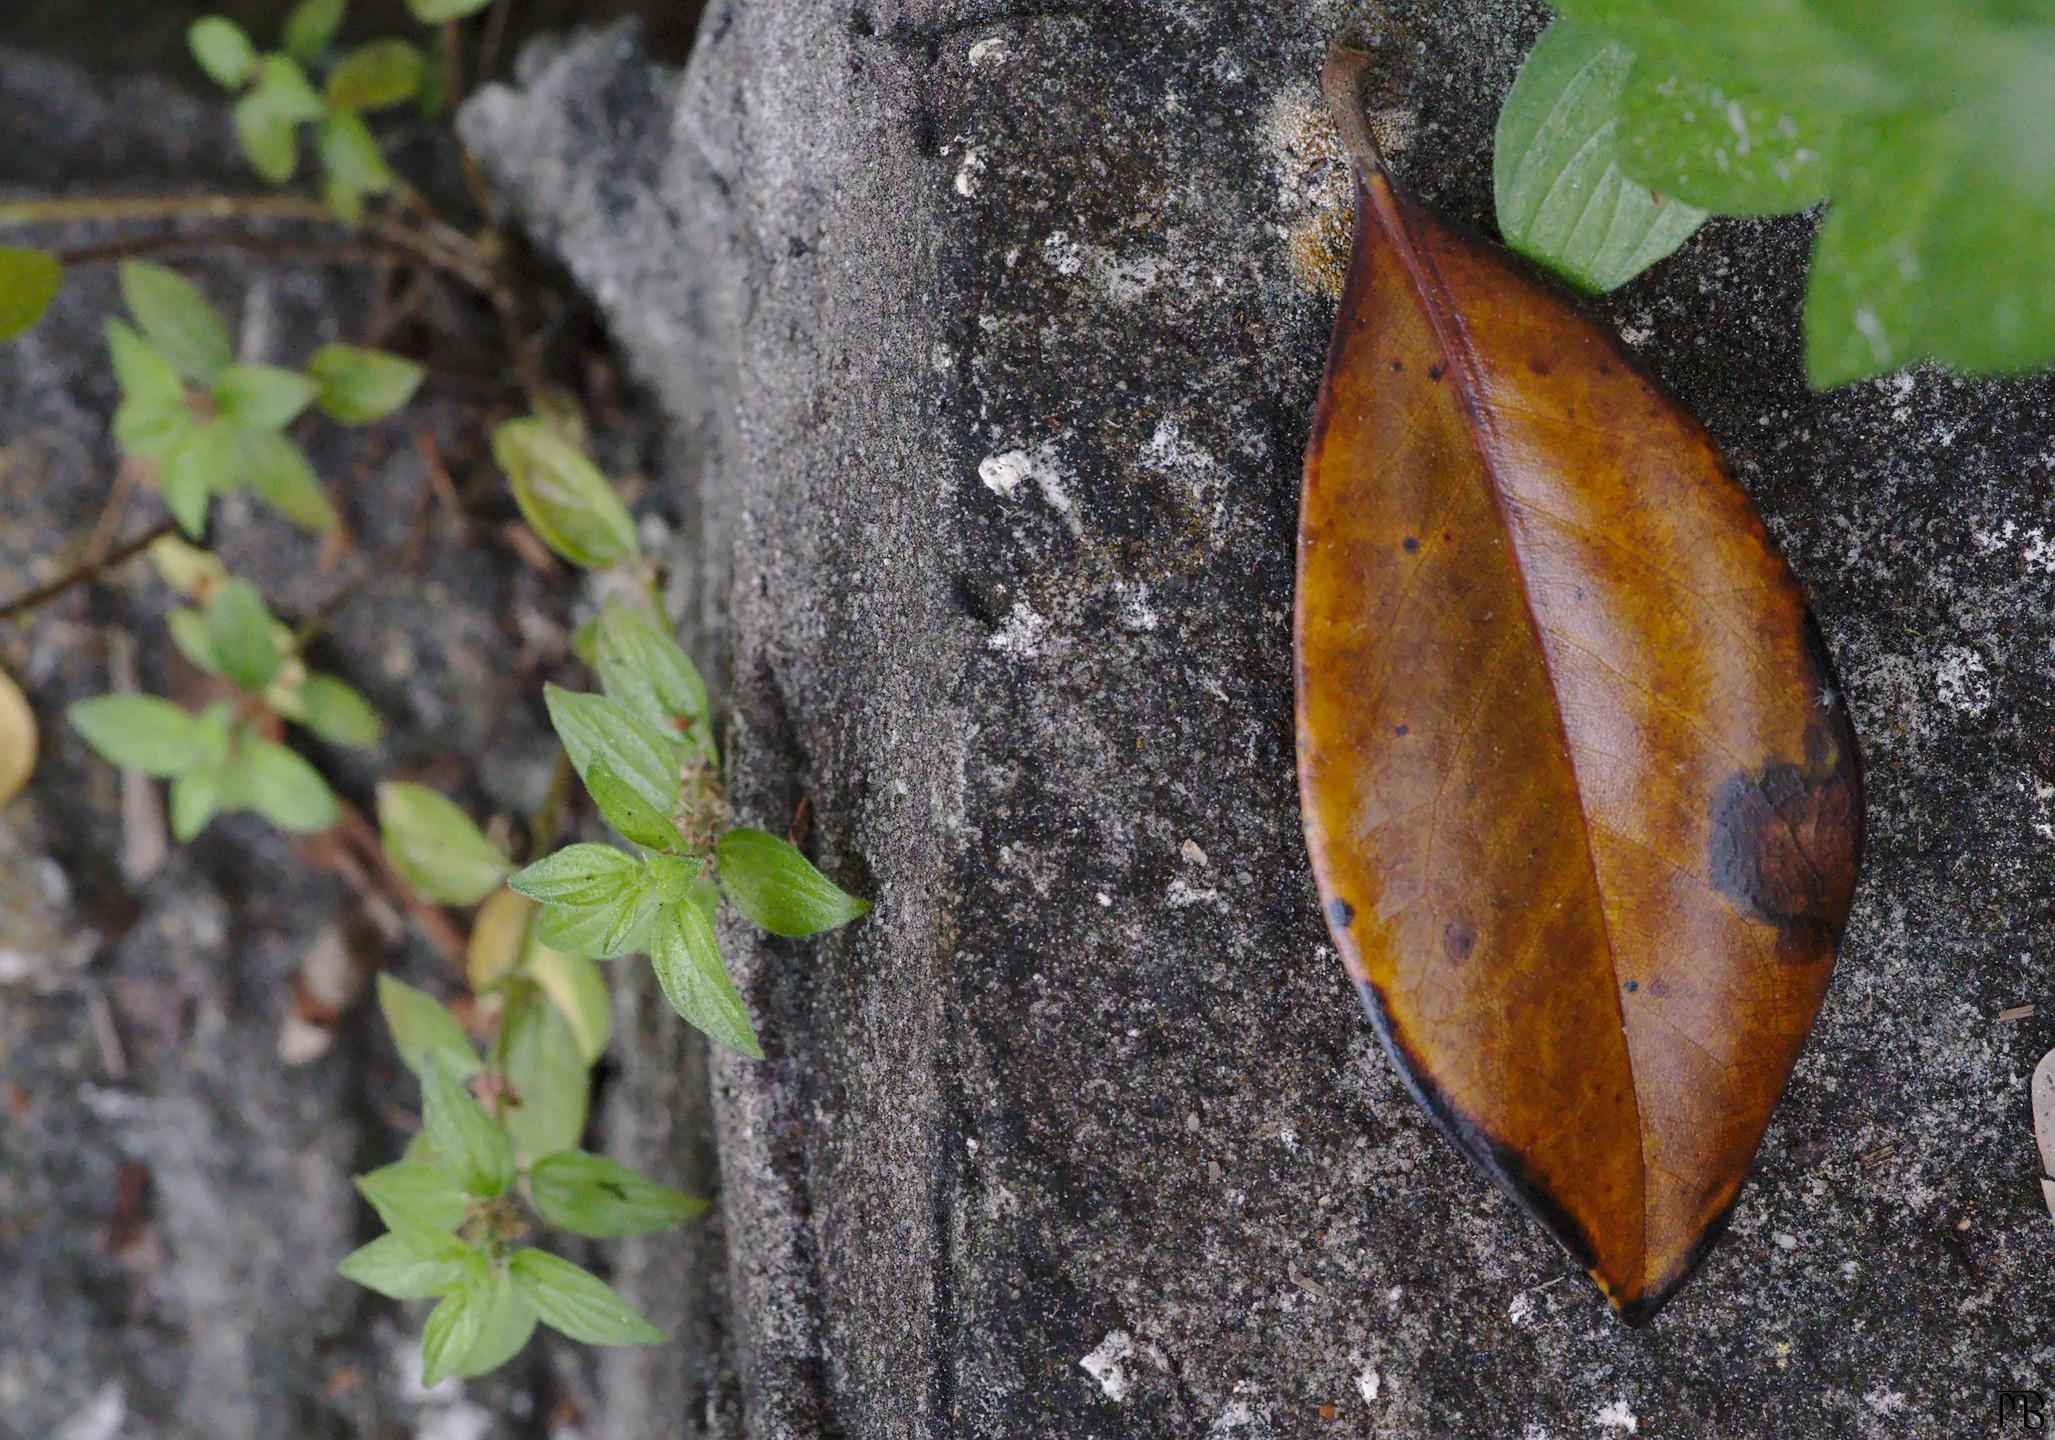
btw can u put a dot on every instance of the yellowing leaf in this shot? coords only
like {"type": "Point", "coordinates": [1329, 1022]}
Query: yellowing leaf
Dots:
{"type": "Point", "coordinates": [496, 935]}
{"type": "Point", "coordinates": [17, 739]}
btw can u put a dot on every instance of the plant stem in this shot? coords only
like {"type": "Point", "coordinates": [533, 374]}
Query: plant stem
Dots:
{"type": "Point", "coordinates": [50, 589]}
{"type": "Point", "coordinates": [445, 248]}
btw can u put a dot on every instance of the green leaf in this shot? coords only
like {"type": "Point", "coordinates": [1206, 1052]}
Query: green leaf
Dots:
{"type": "Point", "coordinates": [357, 386]}
{"type": "Point", "coordinates": [594, 729]}
{"type": "Point", "coordinates": [424, 1032]}
{"type": "Point", "coordinates": [671, 877]}
{"type": "Point", "coordinates": [1935, 246]}
{"type": "Point", "coordinates": [508, 1324]}
{"type": "Point", "coordinates": [454, 1329]}
{"type": "Point", "coordinates": [1722, 144]}
{"type": "Point", "coordinates": [334, 710]}
{"type": "Point", "coordinates": [270, 141]}
{"type": "Point", "coordinates": [311, 27]}
{"type": "Point", "coordinates": [546, 1066]}
{"type": "Point", "coordinates": [180, 323]}
{"type": "Point", "coordinates": [239, 635]}
{"type": "Point", "coordinates": [376, 75]}
{"type": "Point", "coordinates": [395, 1266]}
{"type": "Point", "coordinates": [435, 847]}
{"type": "Point", "coordinates": [195, 797]}
{"type": "Point", "coordinates": [1865, 305]}
{"type": "Point", "coordinates": [28, 283]}
{"type": "Point", "coordinates": [405, 1193]}
{"type": "Point", "coordinates": [620, 926]}
{"type": "Point", "coordinates": [223, 50]}
{"type": "Point", "coordinates": [687, 960]}
{"type": "Point", "coordinates": [139, 732]}
{"type": "Point", "coordinates": [206, 461]}
{"type": "Point", "coordinates": [266, 777]}
{"type": "Point", "coordinates": [579, 991]}
{"type": "Point", "coordinates": [562, 495]}
{"type": "Point", "coordinates": [142, 370]}
{"type": "Point", "coordinates": [469, 1146]}
{"type": "Point", "coordinates": [261, 397]}
{"type": "Point", "coordinates": [777, 888]}
{"type": "Point", "coordinates": [628, 812]}
{"type": "Point", "coordinates": [434, 12]}
{"type": "Point", "coordinates": [591, 1195]}
{"type": "Point", "coordinates": [641, 665]}
{"type": "Point", "coordinates": [582, 874]}
{"type": "Point", "coordinates": [282, 83]}
{"type": "Point", "coordinates": [1562, 200]}
{"type": "Point", "coordinates": [578, 1303]}
{"type": "Point", "coordinates": [275, 469]}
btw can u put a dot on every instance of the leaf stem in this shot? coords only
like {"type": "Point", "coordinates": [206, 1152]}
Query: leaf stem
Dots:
{"type": "Point", "coordinates": [50, 589]}
{"type": "Point", "coordinates": [1341, 81]}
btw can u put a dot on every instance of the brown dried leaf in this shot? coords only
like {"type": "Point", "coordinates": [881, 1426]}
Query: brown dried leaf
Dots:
{"type": "Point", "coordinates": [1581, 800]}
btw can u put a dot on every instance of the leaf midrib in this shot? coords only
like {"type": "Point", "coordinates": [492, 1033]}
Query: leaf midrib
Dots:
{"type": "Point", "coordinates": [1452, 336]}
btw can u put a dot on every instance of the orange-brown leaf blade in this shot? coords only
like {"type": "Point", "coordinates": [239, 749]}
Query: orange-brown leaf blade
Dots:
{"type": "Point", "coordinates": [1582, 805]}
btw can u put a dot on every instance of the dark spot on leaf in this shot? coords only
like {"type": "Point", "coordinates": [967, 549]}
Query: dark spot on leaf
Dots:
{"type": "Point", "coordinates": [1631, 986]}
{"type": "Point", "coordinates": [1411, 544]}
{"type": "Point", "coordinates": [1397, 365]}
{"type": "Point", "coordinates": [1458, 939]}
{"type": "Point", "coordinates": [1340, 913]}
{"type": "Point", "coordinates": [1786, 839]}
{"type": "Point", "coordinates": [1435, 372]}
{"type": "Point", "coordinates": [1401, 729]}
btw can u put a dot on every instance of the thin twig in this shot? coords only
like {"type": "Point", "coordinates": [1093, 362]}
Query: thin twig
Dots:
{"type": "Point", "coordinates": [51, 589]}
{"type": "Point", "coordinates": [447, 249]}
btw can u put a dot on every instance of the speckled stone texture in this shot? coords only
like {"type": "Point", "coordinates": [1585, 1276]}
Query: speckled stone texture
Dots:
{"type": "Point", "coordinates": [983, 334]}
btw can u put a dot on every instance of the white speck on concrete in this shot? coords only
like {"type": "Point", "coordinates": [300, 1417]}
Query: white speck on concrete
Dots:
{"type": "Point", "coordinates": [990, 51]}
{"type": "Point", "coordinates": [1003, 473]}
{"type": "Point", "coordinates": [1962, 682]}
{"type": "Point", "coordinates": [1135, 613]}
{"type": "Point", "coordinates": [1616, 1416]}
{"type": "Point", "coordinates": [1369, 1384]}
{"type": "Point", "coordinates": [1063, 253]}
{"type": "Point", "coordinates": [1105, 1364]}
{"type": "Point", "coordinates": [1784, 1240]}
{"type": "Point", "coordinates": [1021, 632]}
{"type": "Point", "coordinates": [1233, 1418]}
{"type": "Point", "coordinates": [970, 172]}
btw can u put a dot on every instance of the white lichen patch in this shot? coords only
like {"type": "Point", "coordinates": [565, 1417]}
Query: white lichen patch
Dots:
{"type": "Point", "coordinates": [1369, 1384]}
{"type": "Point", "coordinates": [1962, 682]}
{"type": "Point", "coordinates": [1616, 1416]}
{"type": "Point", "coordinates": [970, 171]}
{"type": "Point", "coordinates": [1021, 632]}
{"type": "Point", "coordinates": [1107, 1364]}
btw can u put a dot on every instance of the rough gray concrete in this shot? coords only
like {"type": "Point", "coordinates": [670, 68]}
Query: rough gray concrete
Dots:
{"type": "Point", "coordinates": [981, 331]}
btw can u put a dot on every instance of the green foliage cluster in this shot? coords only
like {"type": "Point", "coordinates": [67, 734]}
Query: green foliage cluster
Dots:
{"type": "Point", "coordinates": [228, 757]}
{"type": "Point", "coordinates": [277, 100]}
{"type": "Point", "coordinates": [214, 425]}
{"type": "Point", "coordinates": [497, 1157]}
{"type": "Point", "coordinates": [1927, 127]}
